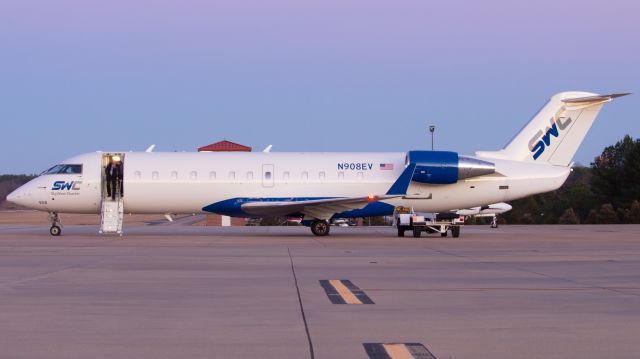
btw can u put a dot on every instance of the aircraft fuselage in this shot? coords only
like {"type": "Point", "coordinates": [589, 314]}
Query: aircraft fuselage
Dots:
{"type": "Point", "coordinates": [186, 182]}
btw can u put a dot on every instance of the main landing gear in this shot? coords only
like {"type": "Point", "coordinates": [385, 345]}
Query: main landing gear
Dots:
{"type": "Point", "coordinates": [56, 225]}
{"type": "Point", "coordinates": [320, 227]}
{"type": "Point", "coordinates": [494, 222]}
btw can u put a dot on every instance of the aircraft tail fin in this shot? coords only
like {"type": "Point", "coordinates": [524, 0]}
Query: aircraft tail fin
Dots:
{"type": "Point", "coordinates": [556, 131]}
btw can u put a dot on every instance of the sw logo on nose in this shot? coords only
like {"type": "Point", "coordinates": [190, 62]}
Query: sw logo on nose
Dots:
{"type": "Point", "coordinates": [537, 145]}
{"type": "Point", "coordinates": [63, 185]}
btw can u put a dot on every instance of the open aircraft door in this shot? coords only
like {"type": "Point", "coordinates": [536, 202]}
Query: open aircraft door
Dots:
{"type": "Point", "coordinates": [119, 188]}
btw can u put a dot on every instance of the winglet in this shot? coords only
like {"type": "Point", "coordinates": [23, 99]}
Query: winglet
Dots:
{"type": "Point", "coordinates": [402, 183]}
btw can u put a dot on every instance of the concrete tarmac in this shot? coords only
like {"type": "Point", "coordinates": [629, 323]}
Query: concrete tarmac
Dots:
{"type": "Point", "coordinates": [251, 292]}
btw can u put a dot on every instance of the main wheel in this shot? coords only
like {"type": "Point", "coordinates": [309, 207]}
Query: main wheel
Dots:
{"type": "Point", "coordinates": [455, 231]}
{"type": "Point", "coordinates": [320, 228]}
{"type": "Point", "coordinates": [55, 230]}
{"type": "Point", "coordinates": [417, 232]}
{"type": "Point", "coordinates": [400, 232]}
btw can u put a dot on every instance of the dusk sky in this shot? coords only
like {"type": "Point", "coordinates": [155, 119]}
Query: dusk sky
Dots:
{"type": "Point", "coordinates": [81, 76]}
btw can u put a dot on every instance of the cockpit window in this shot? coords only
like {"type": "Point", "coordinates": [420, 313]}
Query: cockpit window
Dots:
{"type": "Point", "coordinates": [52, 170]}
{"type": "Point", "coordinates": [72, 169]}
{"type": "Point", "coordinates": [64, 169]}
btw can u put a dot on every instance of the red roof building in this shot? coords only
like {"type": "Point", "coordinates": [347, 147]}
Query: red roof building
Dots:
{"type": "Point", "coordinates": [224, 146]}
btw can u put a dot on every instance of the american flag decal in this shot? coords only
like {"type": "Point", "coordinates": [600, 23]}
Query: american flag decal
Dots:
{"type": "Point", "coordinates": [386, 166]}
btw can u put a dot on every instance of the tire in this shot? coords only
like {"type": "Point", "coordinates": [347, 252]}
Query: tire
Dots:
{"type": "Point", "coordinates": [455, 231]}
{"type": "Point", "coordinates": [55, 230]}
{"type": "Point", "coordinates": [400, 232]}
{"type": "Point", "coordinates": [443, 234]}
{"type": "Point", "coordinates": [417, 232]}
{"type": "Point", "coordinates": [320, 228]}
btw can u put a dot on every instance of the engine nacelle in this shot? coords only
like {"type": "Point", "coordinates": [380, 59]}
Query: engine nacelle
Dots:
{"type": "Point", "coordinates": [444, 167]}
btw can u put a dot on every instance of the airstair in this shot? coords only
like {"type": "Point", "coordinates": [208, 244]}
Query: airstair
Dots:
{"type": "Point", "coordinates": [112, 211]}
{"type": "Point", "coordinates": [112, 215]}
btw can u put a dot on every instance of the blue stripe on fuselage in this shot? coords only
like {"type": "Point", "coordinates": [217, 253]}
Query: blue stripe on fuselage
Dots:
{"type": "Point", "coordinates": [370, 210]}
{"type": "Point", "coordinates": [233, 207]}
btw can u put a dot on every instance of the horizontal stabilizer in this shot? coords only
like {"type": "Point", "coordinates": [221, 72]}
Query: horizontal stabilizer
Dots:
{"type": "Point", "coordinates": [597, 98]}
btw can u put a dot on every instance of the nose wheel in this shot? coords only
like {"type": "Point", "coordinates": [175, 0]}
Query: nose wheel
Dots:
{"type": "Point", "coordinates": [56, 225]}
{"type": "Point", "coordinates": [55, 230]}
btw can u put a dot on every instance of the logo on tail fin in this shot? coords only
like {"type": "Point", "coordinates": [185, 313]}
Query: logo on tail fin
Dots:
{"type": "Point", "coordinates": [542, 139]}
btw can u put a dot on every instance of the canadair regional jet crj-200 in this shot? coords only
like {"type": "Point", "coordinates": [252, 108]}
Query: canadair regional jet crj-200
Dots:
{"type": "Point", "coordinates": [320, 186]}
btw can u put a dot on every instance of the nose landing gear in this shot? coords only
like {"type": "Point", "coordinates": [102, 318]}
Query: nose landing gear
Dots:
{"type": "Point", "coordinates": [56, 225]}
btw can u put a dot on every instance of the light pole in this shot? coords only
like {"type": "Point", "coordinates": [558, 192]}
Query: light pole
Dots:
{"type": "Point", "coordinates": [432, 129]}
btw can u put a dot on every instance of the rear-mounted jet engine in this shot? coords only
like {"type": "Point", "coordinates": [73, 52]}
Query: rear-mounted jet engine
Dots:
{"type": "Point", "coordinates": [443, 167]}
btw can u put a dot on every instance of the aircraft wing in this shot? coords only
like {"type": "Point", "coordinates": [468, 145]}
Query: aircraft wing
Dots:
{"type": "Point", "coordinates": [316, 208]}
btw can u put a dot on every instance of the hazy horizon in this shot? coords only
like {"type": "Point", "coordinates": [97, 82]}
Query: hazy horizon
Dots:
{"type": "Point", "coordinates": [81, 76]}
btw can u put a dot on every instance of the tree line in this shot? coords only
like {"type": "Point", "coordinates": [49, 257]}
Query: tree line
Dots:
{"type": "Point", "coordinates": [606, 192]}
{"type": "Point", "coordinates": [10, 182]}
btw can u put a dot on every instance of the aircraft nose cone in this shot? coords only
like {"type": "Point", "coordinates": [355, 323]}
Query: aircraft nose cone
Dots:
{"type": "Point", "coordinates": [17, 197]}
{"type": "Point", "coordinates": [12, 197]}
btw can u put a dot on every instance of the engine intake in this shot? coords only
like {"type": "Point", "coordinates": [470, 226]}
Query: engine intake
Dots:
{"type": "Point", "coordinates": [444, 167]}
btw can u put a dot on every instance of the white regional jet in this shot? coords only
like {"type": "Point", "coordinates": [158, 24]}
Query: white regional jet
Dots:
{"type": "Point", "coordinates": [320, 186]}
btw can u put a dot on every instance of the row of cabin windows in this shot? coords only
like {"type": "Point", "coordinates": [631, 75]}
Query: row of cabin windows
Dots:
{"type": "Point", "coordinates": [193, 175]}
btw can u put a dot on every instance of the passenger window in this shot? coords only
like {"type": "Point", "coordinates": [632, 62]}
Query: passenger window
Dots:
{"type": "Point", "coordinates": [305, 176]}
{"type": "Point", "coordinates": [321, 176]}
{"type": "Point", "coordinates": [174, 175]}
{"type": "Point", "coordinates": [154, 175]}
{"type": "Point", "coordinates": [212, 175]}
{"type": "Point", "coordinates": [193, 175]}
{"type": "Point", "coordinates": [250, 176]}
{"type": "Point", "coordinates": [267, 175]}
{"type": "Point", "coordinates": [232, 175]}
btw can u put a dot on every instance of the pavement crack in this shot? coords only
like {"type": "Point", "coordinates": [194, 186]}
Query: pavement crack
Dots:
{"type": "Point", "coordinates": [304, 317]}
